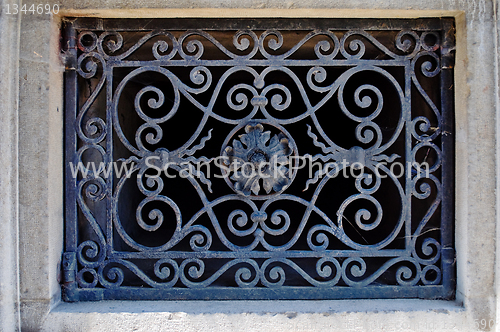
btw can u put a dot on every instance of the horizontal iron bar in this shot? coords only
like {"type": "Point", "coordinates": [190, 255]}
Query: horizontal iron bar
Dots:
{"type": "Point", "coordinates": [260, 254]}
{"type": "Point", "coordinates": [260, 293]}
{"type": "Point", "coordinates": [251, 63]}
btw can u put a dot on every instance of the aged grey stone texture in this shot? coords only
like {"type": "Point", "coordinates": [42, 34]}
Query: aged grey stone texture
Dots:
{"type": "Point", "coordinates": [9, 285]}
{"type": "Point", "coordinates": [273, 316]}
{"type": "Point", "coordinates": [40, 166]}
{"type": "Point", "coordinates": [31, 195]}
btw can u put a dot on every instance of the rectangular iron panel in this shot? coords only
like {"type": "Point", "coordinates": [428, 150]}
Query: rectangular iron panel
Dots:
{"type": "Point", "coordinates": [297, 159]}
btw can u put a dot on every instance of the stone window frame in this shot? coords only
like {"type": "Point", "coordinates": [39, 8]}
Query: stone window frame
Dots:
{"type": "Point", "coordinates": [40, 215]}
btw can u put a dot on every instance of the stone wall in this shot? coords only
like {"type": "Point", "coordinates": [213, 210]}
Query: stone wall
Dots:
{"type": "Point", "coordinates": [31, 184]}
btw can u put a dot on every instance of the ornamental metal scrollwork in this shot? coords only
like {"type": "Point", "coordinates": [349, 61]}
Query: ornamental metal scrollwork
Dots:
{"type": "Point", "coordinates": [256, 158]}
{"type": "Point", "coordinates": [184, 178]}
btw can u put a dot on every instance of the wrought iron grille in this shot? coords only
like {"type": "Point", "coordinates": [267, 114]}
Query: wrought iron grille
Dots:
{"type": "Point", "coordinates": [258, 159]}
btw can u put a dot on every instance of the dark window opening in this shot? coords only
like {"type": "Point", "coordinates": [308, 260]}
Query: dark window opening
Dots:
{"type": "Point", "coordinates": [259, 159]}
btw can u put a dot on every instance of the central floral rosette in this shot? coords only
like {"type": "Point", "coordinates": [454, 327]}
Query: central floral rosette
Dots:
{"type": "Point", "coordinates": [257, 156]}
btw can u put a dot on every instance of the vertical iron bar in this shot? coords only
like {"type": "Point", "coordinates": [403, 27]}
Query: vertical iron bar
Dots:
{"type": "Point", "coordinates": [70, 113]}
{"type": "Point", "coordinates": [109, 151]}
{"type": "Point", "coordinates": [407, 116]}
{"type": "Point", "coordinates": [70, 290]}
{"type": "Point", "coordinates": [448, 160]}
